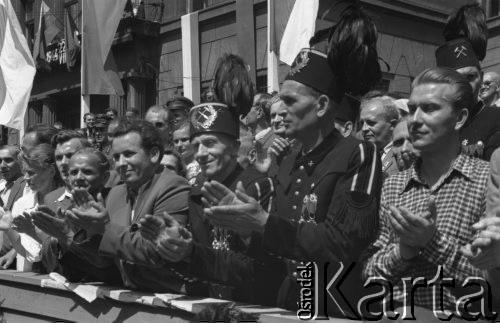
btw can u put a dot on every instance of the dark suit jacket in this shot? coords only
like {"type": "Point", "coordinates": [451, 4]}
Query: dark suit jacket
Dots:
{"type": "Point", "coordinates": [81, 261]}
{"type": "Point", "coordinates": [15, 192]}
{"type": "Point", "coordinates": [140, 264]}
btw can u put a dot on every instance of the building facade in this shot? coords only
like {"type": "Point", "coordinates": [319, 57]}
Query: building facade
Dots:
{"type": "Point", "coordinates": [168, 47]}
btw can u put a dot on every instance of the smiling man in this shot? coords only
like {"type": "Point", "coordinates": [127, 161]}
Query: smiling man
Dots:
{"type": "Point", "coordinates": [427, 211]}
{"type": "Point", "coordinates": [88, 171]}
{"type": "Point", "coordinates": [137, 150]}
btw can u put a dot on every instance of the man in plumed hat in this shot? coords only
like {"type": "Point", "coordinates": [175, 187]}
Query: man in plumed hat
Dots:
{"type": "Point", "coordinates": [327, 193]}
{"type": "Point", "coordinates": [465, 48]}
{"type": "Point", "coordinates": [212, 250]}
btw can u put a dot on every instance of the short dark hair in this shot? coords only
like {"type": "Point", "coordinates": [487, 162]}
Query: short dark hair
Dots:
{"type": "Point", "coordinates": [111, 110]}
{"type": "Point", "coordinates": [66, 135]}
{"type": "Point", "coordinates": [150, 135]}
{"type": "Point", "coordinates": [181, 168]}
{"type": "Point", "coordinates": [464, 95]}
{"type": "Point", "coordinates": [87, 114]}
{"type": "Point", "coordinates": [44, 132]}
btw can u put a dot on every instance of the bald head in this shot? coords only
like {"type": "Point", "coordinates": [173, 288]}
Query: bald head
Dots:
{"type": "Point", "coordinates": [490, 88]}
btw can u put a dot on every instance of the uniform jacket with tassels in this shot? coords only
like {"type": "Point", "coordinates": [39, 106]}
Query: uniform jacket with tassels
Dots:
{"type": "Point", "coordinates": [326, 212]}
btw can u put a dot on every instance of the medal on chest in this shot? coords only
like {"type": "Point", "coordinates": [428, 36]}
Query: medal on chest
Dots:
{"type": "Point", "coordinates": [309, 206]}
{"type": "Point", "coordinates": [220, 238]}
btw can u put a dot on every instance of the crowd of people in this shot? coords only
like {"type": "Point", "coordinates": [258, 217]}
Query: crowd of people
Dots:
{"type": "Point", "coordinates": [227, 198]}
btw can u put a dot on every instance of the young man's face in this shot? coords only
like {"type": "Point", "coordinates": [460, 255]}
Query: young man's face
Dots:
{"type": "Point", "coordinates": [433, 121]}
{"type": "Point", "coordinates": [134, 164]}
{"type": "Point", "coordinates": [182, 143]}
{"type": "Point", "coordinates": [278, 113]}
{"type": "Point", "coordinates": [90, 120]}
{"type": "Point", "coordinates": [214, 152]}
{"type": "Point", "coordinates": [63, 154]}
{"type": "Point", "coordinates": [85, 173]}
{"type": "Point", "coordinates": [301, 117]}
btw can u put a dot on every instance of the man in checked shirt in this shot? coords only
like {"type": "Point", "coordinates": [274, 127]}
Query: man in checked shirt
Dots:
{"type": "Point", "coordinates": [427, 211]}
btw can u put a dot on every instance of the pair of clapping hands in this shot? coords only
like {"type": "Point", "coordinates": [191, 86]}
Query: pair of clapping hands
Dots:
{"type": "Point", "coordinates": [415, 232]}
{"type": "Point", "coordinates": [235, 211]}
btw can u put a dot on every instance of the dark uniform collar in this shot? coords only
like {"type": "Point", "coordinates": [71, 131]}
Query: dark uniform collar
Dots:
{"type": "Point", "coordinates": [310, 160]}
{"type": "Point", "coordinates": [475, 111]}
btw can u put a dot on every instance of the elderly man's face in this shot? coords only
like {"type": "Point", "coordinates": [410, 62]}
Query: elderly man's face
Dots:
{"type": "Point", "coordinates": [85, 173]}
{"type": "Point", "coordinates": [402, 148]}
{"type": "Point", "coordinates": [489, 87]}
{"type": "Point", "coordinates": [214, 152]}
{"type": "Point", "coordinates": [301, 117]}
{"type": "Point", "coordinates": [375, 126]}
{"type": "Point", "coordinates": [433, 121]}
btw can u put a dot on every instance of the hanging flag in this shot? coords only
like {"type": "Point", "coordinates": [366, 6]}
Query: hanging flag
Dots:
{"type": "Point", "coordinates": [100, 22]}
{"type": "Point", "coordinates": [72, 42]}
{"type": "Point", "coordinates": [299, 29]}
{"type": "Point", "coordinates": [48, 29]}
{"type": "Point", "coordinates": [17, 69]}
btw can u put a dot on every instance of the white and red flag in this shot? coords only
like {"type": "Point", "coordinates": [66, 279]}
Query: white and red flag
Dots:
{"type": "Point", "coordinates": [17, 69]}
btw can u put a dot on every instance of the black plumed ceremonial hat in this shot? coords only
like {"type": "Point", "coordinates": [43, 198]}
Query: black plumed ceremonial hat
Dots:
{"type": "Point", "coordinates": [456, 54]}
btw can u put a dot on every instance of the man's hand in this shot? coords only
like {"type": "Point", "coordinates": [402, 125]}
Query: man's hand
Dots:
{"type": "Point", "coordinates": [173, 242]}
{"type": "Point", "coordinates": [484, 251]}
{"type": "Point", "coordinates": [23, 224]}
{"type": "Point", "coordinates": [242, 215]}
{"type": "Point", "coordinates": [279, 148]}
{"type": "Point", "coordinates": [7, 259]}
{"type": "Point", "coordinates": [55, 225]}
{"type": "Point", "coordinates": [5, 220]}
{"type": "Point", "coordinates": [176, 248]}
{"type": "Point", "coordinates": [91, 216]}
{"type": "Point", "coordinates": [414, 230]}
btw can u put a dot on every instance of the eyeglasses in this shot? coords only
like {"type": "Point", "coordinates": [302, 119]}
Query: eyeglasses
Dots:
{"type": "Point", "coordinates": [488, 84]}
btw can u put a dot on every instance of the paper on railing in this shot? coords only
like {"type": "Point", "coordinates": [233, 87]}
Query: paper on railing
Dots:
{"type": "Point", "coordinates": [188, 304]}
{"type": "Point", "coordinates": [87, 292]}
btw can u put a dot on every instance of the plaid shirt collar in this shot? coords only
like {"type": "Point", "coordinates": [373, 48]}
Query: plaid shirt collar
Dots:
{"type": "Point", "coordinates": [461, 166]}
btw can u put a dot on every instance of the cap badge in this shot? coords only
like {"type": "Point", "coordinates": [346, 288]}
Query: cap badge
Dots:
{"type": "Point", "coordinates": [204, 117]}
{"type": "Point", "coordinates": [460, 50]}
{"type": "Point", "coordinates": [300, 62]}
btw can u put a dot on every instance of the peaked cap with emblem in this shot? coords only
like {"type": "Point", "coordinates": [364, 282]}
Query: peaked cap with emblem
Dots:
{"type": "Point", "coordinates": [311, 68]}
{"type": "Point", "coordinates": [213, 117]}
